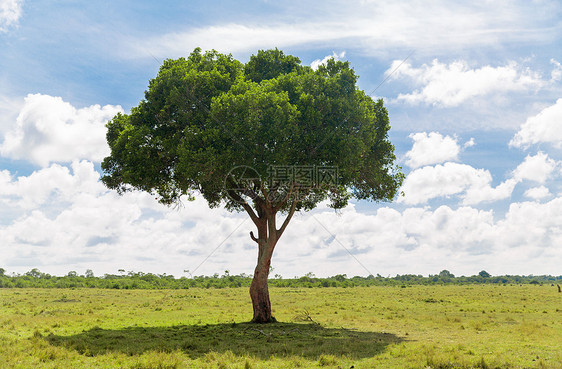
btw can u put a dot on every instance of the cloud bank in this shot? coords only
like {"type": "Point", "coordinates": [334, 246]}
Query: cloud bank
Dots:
{"type": "Point", "coordinates": [49, 129]}
{"type": "Point", "coordinates": [77, 225]}
{"type": "Point", "coordinates": [452, 84]}
{"type": "Point", "coordinates": [472, 185]}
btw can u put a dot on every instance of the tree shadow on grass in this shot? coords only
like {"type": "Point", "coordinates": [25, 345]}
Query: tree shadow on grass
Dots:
{"type": "Point", "coordinates": [262, 341]}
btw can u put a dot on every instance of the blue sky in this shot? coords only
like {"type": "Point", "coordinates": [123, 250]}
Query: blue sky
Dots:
{"type": "Point", "coordinates": [474, 93]}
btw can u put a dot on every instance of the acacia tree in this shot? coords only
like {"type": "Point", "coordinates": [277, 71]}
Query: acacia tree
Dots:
{"type": "Point", "coordinates": [267, 137]}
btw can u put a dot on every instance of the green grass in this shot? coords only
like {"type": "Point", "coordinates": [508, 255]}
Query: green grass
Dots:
{"type": "Point", "coordinates": [476, 326]}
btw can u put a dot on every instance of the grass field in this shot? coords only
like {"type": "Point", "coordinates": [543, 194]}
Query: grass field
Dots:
{"type": "Point", "coordinates": [474, 326]}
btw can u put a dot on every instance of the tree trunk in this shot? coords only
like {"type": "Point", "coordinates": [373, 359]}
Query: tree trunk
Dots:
{"type": "Point", "coordinates": [259, 293]}
{"type": "Point", "coordinates": [268, 235]}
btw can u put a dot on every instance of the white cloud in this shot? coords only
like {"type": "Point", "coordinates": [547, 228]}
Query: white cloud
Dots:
{"type": "Point", "coordinates": [316, 63]}
{"type": "Point", "coordinates": [556, 73]}
{"type": "Point", "coordinates": [483, 192]}
{"type": "Point", "coordinates": [55, 184]}
{"type": "Point", "coordinates": [432, 148]}
{"type": "Point", "coordinates": [373, 26]}
{"type": "Point", "coordinates": [472, 185]}
{"type": "Point", "coordinates": [469, 143]}
{"type": "Point", "coordinates": [532, 223]}
{"type": "Point", "coordinates": [454, 83]}
{"type": "Point", "coordinates": [10, 13]}
{"type": "Point", "coordinates": [9, 110]}
{"type": "Point", "coordinates": [537, 193]}
{"type": "Point", "coordinates": [420, 240]}
{"type": "Point", "coordinates": [229, 38]}
{"type": "Point", "coordinates": [49, 129]}
{"type": "Point", "coordinates": [537, 168]}
{"type": "Point", "coordinates": [546, 126]}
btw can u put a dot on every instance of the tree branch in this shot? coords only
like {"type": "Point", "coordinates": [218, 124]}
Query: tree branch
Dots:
{"type": "Point", "coordinates": [245, 205]}
{"type": "Point", "coordinates": [260, 206]}
{"type": "Point", "coordinates": [252, 213]}
{"type": "Point", "coordinates": [254, 237]}
{"type": "Point", "coordinates": [288, 219]}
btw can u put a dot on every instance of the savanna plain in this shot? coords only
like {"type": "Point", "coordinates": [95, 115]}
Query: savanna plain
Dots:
{"type": "Point", "coordinates": [450, 326]}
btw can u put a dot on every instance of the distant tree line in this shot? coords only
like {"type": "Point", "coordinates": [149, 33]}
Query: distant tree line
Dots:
{"type": "Point", "coordinates": [139, 280]}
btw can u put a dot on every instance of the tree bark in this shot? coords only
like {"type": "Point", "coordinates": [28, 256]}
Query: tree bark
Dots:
{"type": "Point", "coordinates": [259, 291]}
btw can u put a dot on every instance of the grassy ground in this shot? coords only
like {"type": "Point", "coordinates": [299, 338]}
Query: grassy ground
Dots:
{"type": "Point", "coordinates": [476, 326]}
